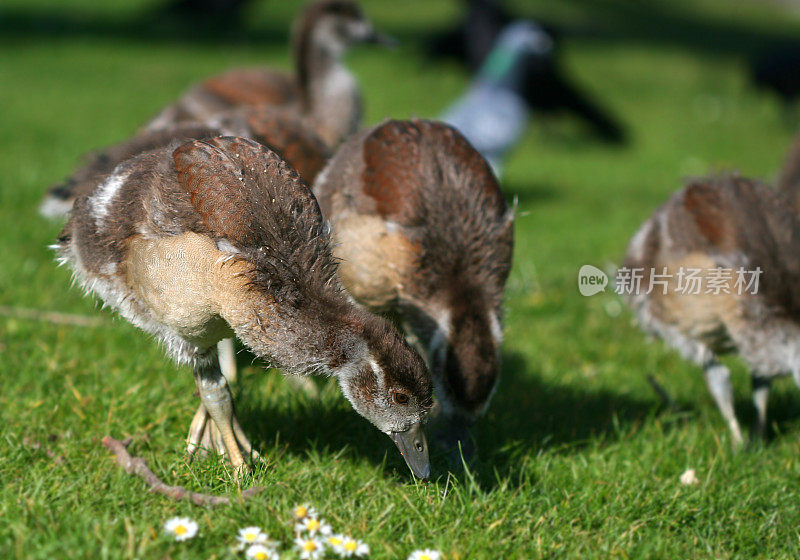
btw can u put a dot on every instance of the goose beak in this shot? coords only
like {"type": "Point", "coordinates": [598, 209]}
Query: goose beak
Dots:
{"type": "Point", "coordinates": [413, 447]}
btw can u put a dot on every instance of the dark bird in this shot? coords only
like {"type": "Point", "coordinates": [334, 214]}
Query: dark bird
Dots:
{"type": "Point", "coordinates": [492, 114]}
{"type": "Point", "coordinates": [777, 69]}
{"type": "Point", "coordinates": [424, 235]}
{"type": "Point", "coordinates": [221, 237]}
{"type": "Point", "coordinates": [719, 272]}
{"type": "Point", "coordinates": [321, 90]}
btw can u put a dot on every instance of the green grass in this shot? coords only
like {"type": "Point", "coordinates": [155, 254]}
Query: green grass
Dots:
{"type": "Point", "coordinates": [577, 458]}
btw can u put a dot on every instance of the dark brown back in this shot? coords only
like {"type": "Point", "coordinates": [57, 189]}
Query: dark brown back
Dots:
{"type": "Point", "coordinates": [425, 176]}
{"type": "Point", "coordinates": [248, 195]}
{"type": "Point", "coordinates": [290, 137]}
{"type": "Point", "coordinates": [251, 86]}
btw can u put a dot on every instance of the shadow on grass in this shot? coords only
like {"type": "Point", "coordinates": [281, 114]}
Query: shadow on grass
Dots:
{"type": "Point", "coordinates": [526, 415]}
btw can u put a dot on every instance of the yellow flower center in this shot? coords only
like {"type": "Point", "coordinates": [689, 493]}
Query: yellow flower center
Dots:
{"type": "Point", "coordinates": [250, 537]}
{"type": "Point", "coordinates": [309, 546]}
{"type": "Point", "coordinates": [312, 524]}
{"type": "Point", "coordinates": [181, 530]}
{"type": "Point", "coordinates": [425, 557]}
{"type": "Point", "coordinates": [350, 546]}
{"type": "Point", "coordinates": [335, 541]}
{"type": "Point", "coordinates": [301, 512]}
{"type": "Point", "coordinates": [261, 555]}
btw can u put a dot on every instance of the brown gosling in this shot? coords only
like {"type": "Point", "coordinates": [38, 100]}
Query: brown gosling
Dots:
{"type": "Point", "coordinates": [322, 89]}
{"type": "Point", "coordinates": [723, 224]}
{"type": "Point", "coordinates": [424, 235]}
{"type": "Point", "coordinates": [220, 237]}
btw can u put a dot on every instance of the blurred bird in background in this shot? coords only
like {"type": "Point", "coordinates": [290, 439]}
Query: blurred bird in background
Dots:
{"type": "Point", "coordinates": [493, 113]}
{"type": "Point", "coordinates": [518, 61]}
{"type": "Point", "coordinates": [777, 69]}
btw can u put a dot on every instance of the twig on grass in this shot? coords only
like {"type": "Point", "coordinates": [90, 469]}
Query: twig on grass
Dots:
{"type": "Point", "coordinates": [52, 317]}
{"type": "Point", "coordinates": [138, 467]}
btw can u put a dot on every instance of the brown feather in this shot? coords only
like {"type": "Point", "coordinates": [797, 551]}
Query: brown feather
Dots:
{"type": "Point", "coordinates": [291, 137]}
{"type": "Point", "coordinates": [252, 86]}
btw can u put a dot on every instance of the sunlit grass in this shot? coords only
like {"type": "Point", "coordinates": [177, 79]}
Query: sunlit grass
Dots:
{"type": "Point", "coordinates": [577, 458]}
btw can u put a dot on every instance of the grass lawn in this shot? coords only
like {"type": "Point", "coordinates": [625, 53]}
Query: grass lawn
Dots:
{"type": "Point", "coordinates": [578, 459]}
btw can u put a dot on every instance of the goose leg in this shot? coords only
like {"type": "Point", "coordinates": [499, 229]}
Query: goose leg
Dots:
{"type": "Point", "coordinates": [204, 437]}
{"type": "Point", "coordinates": [197, 430]}
{"type": "Point", "coordinates": [761, 386]}
{"type": "Point", "coordinates": [227, 359]}
{"type": "Point", "coordinates": [217, 400]}
{"type": "Point", "coordinates": [718, 379]}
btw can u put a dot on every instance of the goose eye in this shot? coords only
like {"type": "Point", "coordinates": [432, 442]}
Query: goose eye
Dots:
{"type": "Point", "coordinates": [400, 398]}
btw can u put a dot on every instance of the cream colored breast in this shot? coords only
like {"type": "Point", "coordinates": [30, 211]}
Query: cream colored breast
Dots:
{"type": "Point", "coordinates": [373, 259]}
{"type": "Point", "coordinates": [180, 280]}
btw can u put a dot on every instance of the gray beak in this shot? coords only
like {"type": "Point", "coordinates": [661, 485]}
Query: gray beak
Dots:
{"type": "Point", "coordinates": [414, 448]}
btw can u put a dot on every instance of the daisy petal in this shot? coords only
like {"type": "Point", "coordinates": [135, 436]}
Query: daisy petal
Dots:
{"type": "Point", "coordinates": [426, 554]}
{"type": "Point", "coordinates": [181, 528]}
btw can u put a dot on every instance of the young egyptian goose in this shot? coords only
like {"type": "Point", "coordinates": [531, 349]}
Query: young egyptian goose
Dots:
{"type": "Point", "coordinates": [424, 234]}
{"type": "Point", "coordinates": [219, 237]}
{"type": "Point", "coordinates": [322, 89]}
{"type": "Point", "coordinates": [284, 133]}
{"type": "Point", "coordinates": [721, 231]}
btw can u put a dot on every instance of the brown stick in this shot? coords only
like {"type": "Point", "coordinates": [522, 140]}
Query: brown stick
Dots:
{"type": "Point", "coordinates": [137, 466]}
{"type": "Point", "coordinates": [52, 317]}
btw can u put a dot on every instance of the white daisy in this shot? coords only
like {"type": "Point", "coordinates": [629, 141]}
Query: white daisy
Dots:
{"type": "Point", "coordinates": [354, 547]}
{"type": "Point", "coordinates": [304, 510]}
{"type": "Point", "coordinates": [251, 535]}
{"type": "Point", "coordinates": [336, 543]}
{"type": "Point", "coordinates": [181, 528]}
{"type": "Point", "coordinates": [313, 526]}
{"type": "Point", "coordinates": [261, 552]}
{"type": "Point", "coordinates": [425, 555]}
{"type": "Point", "coordinates": [309, 548]}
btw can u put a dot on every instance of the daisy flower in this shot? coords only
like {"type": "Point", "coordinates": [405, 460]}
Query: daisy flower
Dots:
{"type": "Point", "coordinates": [181, 528]}
{"type": "Point", "coordinates": [304, 510]}
{"type": "Point", "coordinates": [354, 547]}
{"type": "Point", "coordinates": [425, 555]}
{"type": "Point", "coordinates": [312, 526]}
{"type": "Point", "coordinates": [251, 535]}
{"type": "Point", "coordinates": [336, 542]}
{"type": "Point", "coordinates": [309, 548]}
{"type": "Point", "coordinates": [261, 552]}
